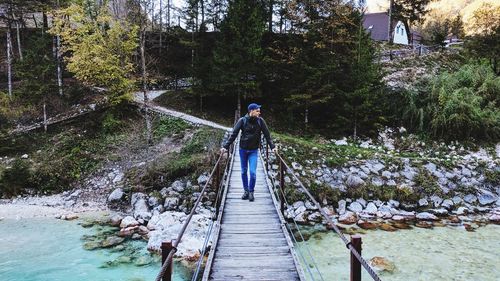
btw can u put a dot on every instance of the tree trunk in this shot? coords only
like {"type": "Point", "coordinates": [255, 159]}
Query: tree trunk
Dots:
{"type": "Point", "coordinates": [59, 67]}
{"type": "Point", "coordinates": [355, 123]}
{"type": "Point", "coordinates": [161, 26]}
{"type": "Point", "coordinates": [271, 5]}
{"type": "Point", "coordinates": [168, 13]}
{"type": "Point", "coordinates": [389, 25]}
{"type": "Point", "coordinates": [306, 118]}
{"type": "Point", "coordinates": [9, 60]}
{"type": "Point", "coordinates": [201, 101]}
{"type": "Point", "coordinates": [144, 88]}
{"type": "Point", "coordinates": [202, 13]}
{"type": "Point", "coordinates": [18, 33]}
{"type": "Point", "coordinates": [36, 23]}
{"type": "Point", "coordinates": [44, 117]}
{"type": "Point", "coordinates": [238, 106]}
{"type": "Point", "coordinates": [45, 22]}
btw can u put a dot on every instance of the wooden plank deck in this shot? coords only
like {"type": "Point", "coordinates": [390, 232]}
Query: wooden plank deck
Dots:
{"type": "Point", "coordinates": [251, 241]}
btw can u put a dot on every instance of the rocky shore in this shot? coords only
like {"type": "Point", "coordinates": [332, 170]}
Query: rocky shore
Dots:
{"type": "Point", "coordinates": [439, 185]}
{"type": "Point", "coordinates": [438, 182]}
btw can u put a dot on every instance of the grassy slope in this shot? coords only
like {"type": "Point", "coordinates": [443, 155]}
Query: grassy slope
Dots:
{"type": "Point", "coordinates": [71, 151]}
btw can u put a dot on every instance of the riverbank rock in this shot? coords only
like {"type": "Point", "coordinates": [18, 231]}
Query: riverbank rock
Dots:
{"type": "Point", "coordinates": [382, 264]}
{"type": "Point", "coordinates": [128, 221]}
{"type": "Point", "coordinates": [487, 199]}
{"type": "Point", "coordinates": [348, 218]}
{"type": "Point", "coordinates": [426, 216]}
{"type": "Point", "coordinates": [166, 226]}
{"type": "Point", "coordinates": [116, 195]}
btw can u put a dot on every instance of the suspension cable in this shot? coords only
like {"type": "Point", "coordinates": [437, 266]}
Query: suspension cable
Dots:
{"type": "Point", "coordinates": [330, 221]}
{"type": "Point", "coordinates": [186, 223]}
{"type": "Point", "coordinates": [301, 237]}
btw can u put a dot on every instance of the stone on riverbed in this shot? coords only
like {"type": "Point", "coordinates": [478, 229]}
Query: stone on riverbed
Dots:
{"type": "Point", "coordinates": [382, 264]}
{"type": "Point", "coordinates": [112, 241]}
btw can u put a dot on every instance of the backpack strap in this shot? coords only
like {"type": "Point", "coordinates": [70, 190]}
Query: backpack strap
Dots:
{"type": "Point", "coordinates": [259, 122]}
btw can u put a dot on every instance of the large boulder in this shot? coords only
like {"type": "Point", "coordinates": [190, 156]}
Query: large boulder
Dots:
{"type": "Point", "coordinates": [168, 225]}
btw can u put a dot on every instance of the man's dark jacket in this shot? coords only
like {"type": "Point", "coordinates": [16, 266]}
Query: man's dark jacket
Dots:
{"type": "Point", "coordinates": [250, 127]}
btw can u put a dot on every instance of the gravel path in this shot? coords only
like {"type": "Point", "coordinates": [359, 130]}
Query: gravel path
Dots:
{"type": "Point", "coordinates": [139, 98]}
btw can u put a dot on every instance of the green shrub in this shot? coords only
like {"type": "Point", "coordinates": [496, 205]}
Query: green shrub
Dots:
{"type": "Point", "coordinates": [166, 126]}
{"type": "Point", "coordinates": [15, 179]}
{"type": "Point", "coordinates": [492, 176]}
{"type": "Point", "coordinates": [426, 183]}
{"type": "Point", "coordinates": [110, 123]}
{"type": "Point", "coordinates": [466, 104]}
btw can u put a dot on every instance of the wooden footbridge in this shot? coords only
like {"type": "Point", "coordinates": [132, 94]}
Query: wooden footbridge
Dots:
{"type": "Point", "coordinates": [252, 240]}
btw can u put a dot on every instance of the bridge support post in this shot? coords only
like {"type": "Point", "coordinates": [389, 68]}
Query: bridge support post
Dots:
{"type": "Point", "coordinates": [166, 247]}
{"type": "Point", "coordinates": [355, 264]}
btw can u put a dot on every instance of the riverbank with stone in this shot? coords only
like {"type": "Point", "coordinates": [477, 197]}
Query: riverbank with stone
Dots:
{"type": "Point", "coordinates": [402, 179]}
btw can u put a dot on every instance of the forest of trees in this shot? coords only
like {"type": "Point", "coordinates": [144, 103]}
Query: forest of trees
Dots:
{"type": "Point", "coordinates": [310, 61]}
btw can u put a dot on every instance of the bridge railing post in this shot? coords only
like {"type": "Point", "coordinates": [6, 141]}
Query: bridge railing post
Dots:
{"type": "Point", "coordinates": [355, 264]}
{"type": "Point", "coordinates": [166, 247]}
{"type": "Point", "coordinates": [217, 187]}
{"type": "Point", "coordinates": [267, 156]}
{"type": "Point", "coordinates": [282, 185]}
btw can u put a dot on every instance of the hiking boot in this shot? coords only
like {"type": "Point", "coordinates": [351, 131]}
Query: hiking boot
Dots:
{"type": "Point", "coordinates": [250, 197]}
{"type": "Point", "coordinates": [245, 196]}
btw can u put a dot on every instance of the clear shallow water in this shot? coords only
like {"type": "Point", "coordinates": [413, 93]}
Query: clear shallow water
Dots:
{"type": "Point", "coordinates": [442, 253]}
{"type": "Point", "coordinates": [46, 249]}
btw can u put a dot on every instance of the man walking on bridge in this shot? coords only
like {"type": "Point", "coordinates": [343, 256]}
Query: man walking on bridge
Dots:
{"type": "Point", "coordinates": [251, 126]}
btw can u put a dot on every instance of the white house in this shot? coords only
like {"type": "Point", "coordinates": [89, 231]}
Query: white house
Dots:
{"type": "Point", "coordinates": [377, 24]}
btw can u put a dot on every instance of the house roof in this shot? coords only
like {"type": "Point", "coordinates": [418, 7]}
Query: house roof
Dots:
{"type": "Point", "coordinates": [377, 24]}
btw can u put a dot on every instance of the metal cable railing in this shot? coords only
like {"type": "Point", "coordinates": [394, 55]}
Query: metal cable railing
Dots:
{"type": "Point", "coordinates": [186, 223]}
{"type": "Point", "coordinates": [214, 218]}
{"type": "Point", "coordinates": [303, 240]}
{"type": "Point", "coordinates": [217, 173]}
{"type": "Point", "coordinates": [284, 167]}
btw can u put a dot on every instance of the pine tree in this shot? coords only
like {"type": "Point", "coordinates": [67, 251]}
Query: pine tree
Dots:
{"type": "Point", "coordinates": [238, 53]}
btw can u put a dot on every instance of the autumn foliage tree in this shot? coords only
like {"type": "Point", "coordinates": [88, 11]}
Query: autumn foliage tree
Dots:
{"type": "Point", "coordinates": [99, 47]}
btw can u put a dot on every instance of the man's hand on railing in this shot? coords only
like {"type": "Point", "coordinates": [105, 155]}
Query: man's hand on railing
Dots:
{"type": "Point", "coordinates": [275, 150]}
{"type": "Point", "coordinates": [223, 150]}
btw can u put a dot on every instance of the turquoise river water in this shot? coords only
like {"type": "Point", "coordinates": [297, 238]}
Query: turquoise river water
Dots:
{"type": "Point", "coordinates": [46, 249]}
{"type": "Point", "coordinates": [442, 253]}
{"type": "Point", "coordinates": [51, 250]}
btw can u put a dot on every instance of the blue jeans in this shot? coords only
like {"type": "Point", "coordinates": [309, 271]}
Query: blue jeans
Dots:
{"type": "Point", "coordinates": [248, 156]}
